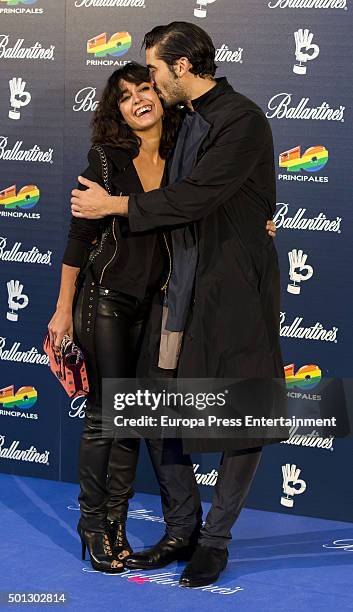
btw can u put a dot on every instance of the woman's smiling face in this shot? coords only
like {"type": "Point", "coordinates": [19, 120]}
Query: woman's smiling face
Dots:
{"type": "Point", "coordinates": [139, 105]}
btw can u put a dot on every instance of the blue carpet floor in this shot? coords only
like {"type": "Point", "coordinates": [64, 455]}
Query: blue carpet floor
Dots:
{"type": "Point", "coordinates": [277, 562]}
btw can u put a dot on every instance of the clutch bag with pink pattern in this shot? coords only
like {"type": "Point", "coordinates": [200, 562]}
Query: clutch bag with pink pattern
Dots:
{"type": "Point", "coordinates": [68, 366]}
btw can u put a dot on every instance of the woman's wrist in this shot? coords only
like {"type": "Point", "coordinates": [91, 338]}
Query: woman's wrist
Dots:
{"type": "Point", "coordinates": [64, 306]}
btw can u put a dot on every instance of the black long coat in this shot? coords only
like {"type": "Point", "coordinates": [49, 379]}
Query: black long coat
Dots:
{"type": "Point", "coordinates": [233, 327]}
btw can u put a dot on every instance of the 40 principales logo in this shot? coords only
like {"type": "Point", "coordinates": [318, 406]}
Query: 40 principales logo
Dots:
{"type": "Point", "coordinates": [302, 167]}
{"type": "Point", "coordinates": [20, 7]}
{"type": "Point", "coordinates": [101, 47]}
{"type": "Point", "coordinates": [16, 203]}
{"type": "Point", "coordinates": [18, 404]}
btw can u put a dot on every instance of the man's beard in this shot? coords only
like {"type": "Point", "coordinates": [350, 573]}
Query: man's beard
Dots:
{"type": "Point", "coordinates": [172, 94]}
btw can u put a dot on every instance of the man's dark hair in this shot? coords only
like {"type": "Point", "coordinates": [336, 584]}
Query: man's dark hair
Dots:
{"type": "Point", "coordinates": [182, 39]}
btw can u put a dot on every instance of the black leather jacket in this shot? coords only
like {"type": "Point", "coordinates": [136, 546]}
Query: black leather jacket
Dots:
{"type": "Point", "coordinates": [102, 240]}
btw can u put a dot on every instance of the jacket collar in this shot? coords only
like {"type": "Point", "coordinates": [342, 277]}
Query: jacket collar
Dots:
{"type": "Point", "coordinates": [221, 86]}
{"type": "Point", "coordinates": [120, 157]}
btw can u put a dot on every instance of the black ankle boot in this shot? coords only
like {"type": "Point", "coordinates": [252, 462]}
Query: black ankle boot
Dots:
{"type": "Point", "coordinates": [120, 544]}
{"type": "Point", "coordinates": [167, 550]}
{"type": "Point", "coordinates": [204, 567]}
{"type": "Point", "coordinates": [100, 551]}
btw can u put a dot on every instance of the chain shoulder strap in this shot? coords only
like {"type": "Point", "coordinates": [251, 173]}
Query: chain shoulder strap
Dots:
{"type": "Point", "coordinates": [105, 175]}
{"type": "Point", "coordinates": [105, 168]}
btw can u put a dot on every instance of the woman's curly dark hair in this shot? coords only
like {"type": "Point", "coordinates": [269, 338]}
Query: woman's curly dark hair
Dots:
{"type": "Point", "coordinates": [108, 126]}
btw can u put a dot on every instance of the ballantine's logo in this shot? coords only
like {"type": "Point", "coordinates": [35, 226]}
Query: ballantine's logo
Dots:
{"type": "Point", "coordinates": [314, 332]}
{"type": "Point", "coordinates": [31, 356]}
{"type": "Point", "coordinates": [31, 454]}
{"type": "Point", "coordinates": [77, 408]}
{"type": "Point", "coordinates": [225, 54]}
{"type": "Point", "coordinates": [18, 3]}
{"type": "Point", "coordinates": [308, 4]}
{"type": "Point", "coordinates": [35, 154]}
{"type": "Point", "coordinates": [99, 46]}
{"type": "Point", "coordinates": [20, 52]}
{"type": "Point", "coordinates": [85, 100]}
{"type": "Point", "coordinates": [346, 544]}
{"type": "Point", "coordinates": [170, 579]}
{"type": "Point", "coordinates": [117, 3]}
{"type": "Point", "coordinates": [33, 256]}
{"type": "Point", "coordinates": [23, 399]}
{"type": "Point", "coordinates": [306, 378]}
{"type": "Point", "coordinates": [312, 440]}
{"type": "Point", "coordinates": [208, 479]}
{"type": "Point", "coordinates": [12, 203]}
{"type": "Point", "coordinates": [300, 222]}
{"type": "Point", "coordinates": [279, 108]}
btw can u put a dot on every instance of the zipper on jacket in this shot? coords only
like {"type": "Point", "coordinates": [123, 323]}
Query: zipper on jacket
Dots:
{"type": "Point", "coordinates": [111, 259]}
{"type": "Point", "coordinates": [165, 285]}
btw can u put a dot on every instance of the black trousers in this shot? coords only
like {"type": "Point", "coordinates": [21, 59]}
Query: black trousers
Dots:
{"type": "Point", "coordinates": [107, 466]}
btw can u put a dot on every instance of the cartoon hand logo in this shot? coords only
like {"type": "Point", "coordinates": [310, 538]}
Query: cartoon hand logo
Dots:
{"type": "Point", "coordinates": [16, 299]}
{"type": "Point", "coordinates": [303, 46]}
{"type": "Point", "coordinates": [18, 97]}
{"type": "Point", "coordinates": [290, 479]}
{"type": "Point", "coordinates": [297, 266]}
{"type": "Point", "coordinates": [201, 11]}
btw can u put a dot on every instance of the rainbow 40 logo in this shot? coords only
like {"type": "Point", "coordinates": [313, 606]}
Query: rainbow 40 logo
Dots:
{"type": "Point", "coordinates": [306, 378]}
{"type": "Point", "coordinates": [24, 398]}
{"type": "Point", "coordinates": [16, 2]}
{"type": "Point", "coordinates": [118, 44]}
{"type": "Point", "coordinates": [27, 197]}
{"type": "Point", "coordinates": [312, 160]}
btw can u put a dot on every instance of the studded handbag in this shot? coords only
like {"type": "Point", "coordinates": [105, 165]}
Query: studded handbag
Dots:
{"type": "Point", "coordinates": [68, 366]}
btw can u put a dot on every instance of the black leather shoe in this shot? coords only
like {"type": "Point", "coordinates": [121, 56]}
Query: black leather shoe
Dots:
{"type": "Point", "coordinates": [204, 567]}
{"type": "Point", "coordinates": [167, 550]}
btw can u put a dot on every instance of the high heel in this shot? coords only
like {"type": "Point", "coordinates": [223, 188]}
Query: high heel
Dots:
{"type": "Point", "coordinates": [100, 551]}
{"type": "Point", "coordinates": [120, 544]}
{"type": "Point", "coordinates": [83, 544]}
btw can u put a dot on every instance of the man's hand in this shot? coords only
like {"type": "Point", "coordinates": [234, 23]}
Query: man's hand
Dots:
{"type": "Point", "coordinates": [271, 228]}
{"type": "Point", "coordinates": [92, 203]}
{"type": "Point", "coordinates": [95, 202]}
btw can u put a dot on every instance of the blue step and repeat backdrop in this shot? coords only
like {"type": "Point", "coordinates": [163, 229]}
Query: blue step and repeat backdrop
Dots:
{"type": "Point", "coordinates": [293, 57]}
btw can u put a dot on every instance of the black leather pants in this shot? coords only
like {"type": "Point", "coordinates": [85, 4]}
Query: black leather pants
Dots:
{"type": "Point", "coordinates": [107, 466]}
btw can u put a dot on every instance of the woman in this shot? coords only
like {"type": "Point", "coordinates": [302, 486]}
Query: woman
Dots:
{"type": "Point", "coordinates": [129, 269]}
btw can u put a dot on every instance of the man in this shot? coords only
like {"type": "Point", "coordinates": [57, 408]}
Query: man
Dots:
{"type": "Point", "coordinates": [227, 306]}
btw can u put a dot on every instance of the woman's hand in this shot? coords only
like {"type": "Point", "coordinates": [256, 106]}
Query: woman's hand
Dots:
{"type": "Point", "coordinates": [271, 228]}
{"type": "Point", "coordinates": [60, 324]}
